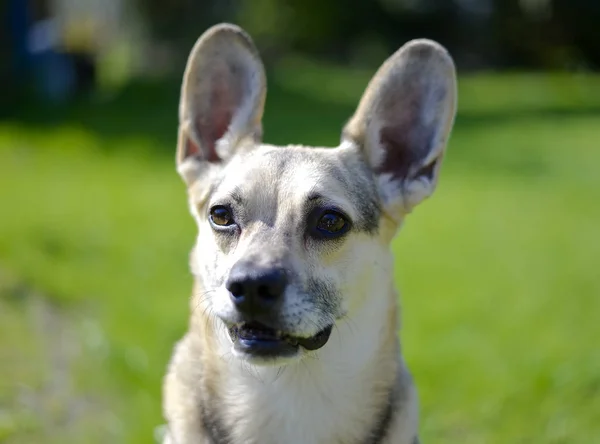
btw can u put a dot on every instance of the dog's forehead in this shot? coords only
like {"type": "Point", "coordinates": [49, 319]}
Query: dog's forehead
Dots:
{"type": "Point", "coordinates": [288, 172]}
{"type": "Point", "coordinates": [268, 159]}
{"type": "Point", "coordinates": [273, 179]}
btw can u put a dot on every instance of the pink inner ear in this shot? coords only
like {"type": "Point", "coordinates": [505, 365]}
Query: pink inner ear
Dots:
{"type": "Point", "coordinates": [191, 149]}
{"type": "Point", "coordinates": [405, 137]}
{"type": "Point", "coordinates": [214, 123]}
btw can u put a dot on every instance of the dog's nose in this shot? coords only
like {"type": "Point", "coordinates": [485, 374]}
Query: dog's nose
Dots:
{"type": "Point", "coordinates": [256, 291]}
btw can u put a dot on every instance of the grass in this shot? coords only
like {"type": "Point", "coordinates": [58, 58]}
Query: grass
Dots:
{"type": "Point", "coordinates": [498, 271]}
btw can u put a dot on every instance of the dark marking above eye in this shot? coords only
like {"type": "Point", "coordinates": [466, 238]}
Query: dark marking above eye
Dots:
{"type": "Point", "coordinates": [236, 196]}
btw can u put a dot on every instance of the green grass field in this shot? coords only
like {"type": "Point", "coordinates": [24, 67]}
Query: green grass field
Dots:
{"type": "Point", "coordinates": [498, 271]}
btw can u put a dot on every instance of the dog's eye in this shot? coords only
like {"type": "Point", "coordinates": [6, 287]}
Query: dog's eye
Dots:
{"type": "Point", "coordinates": [221, 216]}
{"type": "Point", "coordinates": [332, 223]}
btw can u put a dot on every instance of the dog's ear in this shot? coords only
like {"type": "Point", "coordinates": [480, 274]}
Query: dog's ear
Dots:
{"type": "Point", "coordinates": [222, 100]}
{"type": "Point", "coordinates": [403, 122]}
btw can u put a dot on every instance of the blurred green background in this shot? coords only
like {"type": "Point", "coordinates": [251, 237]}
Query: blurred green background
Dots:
{"type": "Point", "coordinates": [498, 271]}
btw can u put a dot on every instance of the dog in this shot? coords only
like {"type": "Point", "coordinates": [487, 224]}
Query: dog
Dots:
{"type": "Point", "coordinates": [293, 332]}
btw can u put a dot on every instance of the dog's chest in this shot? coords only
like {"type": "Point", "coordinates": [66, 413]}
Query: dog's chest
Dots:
{"type": "Point", "coordinates": [298, 408]}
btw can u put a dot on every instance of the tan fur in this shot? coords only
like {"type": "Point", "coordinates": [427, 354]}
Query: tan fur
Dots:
{"type": "Point", "coordinates": [388, 162]}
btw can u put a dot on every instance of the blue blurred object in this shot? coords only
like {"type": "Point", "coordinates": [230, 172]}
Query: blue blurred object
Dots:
{"type": "Point", "coordinates": [54, 75]}
{"type": "Point", "coordinates": [36, 56]}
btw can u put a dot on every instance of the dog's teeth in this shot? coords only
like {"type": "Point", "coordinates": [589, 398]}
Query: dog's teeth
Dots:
{"type": "Point", "coordinates": [291, 341]}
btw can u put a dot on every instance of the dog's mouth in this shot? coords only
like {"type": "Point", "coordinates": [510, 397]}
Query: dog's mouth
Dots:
{"type": "Point", "coordinates": [258, 339]}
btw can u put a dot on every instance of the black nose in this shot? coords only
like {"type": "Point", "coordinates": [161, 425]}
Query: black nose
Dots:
{"type": "Point", "coordinates": [256, 290]}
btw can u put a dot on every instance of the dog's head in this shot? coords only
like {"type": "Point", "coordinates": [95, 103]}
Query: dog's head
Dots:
{"type": "Point", "coordinates": [293, 240]}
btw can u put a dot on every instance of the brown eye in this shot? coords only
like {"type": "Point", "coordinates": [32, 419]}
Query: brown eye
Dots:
{"type": "Point", "coordinates": [332, 224]}
{"type": "Point", "coordinates": [221, 216]}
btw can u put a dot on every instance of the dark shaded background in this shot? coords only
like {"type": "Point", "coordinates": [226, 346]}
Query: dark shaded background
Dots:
{"type": "Point", "coordinates": [481, 34]}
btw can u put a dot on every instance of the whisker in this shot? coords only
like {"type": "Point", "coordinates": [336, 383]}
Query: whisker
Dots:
{"type": "Point", "coordinates": [280, 371]}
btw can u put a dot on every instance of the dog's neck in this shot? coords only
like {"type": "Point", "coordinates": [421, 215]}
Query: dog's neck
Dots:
{"type": "Point", "coordinates": [352, 379]}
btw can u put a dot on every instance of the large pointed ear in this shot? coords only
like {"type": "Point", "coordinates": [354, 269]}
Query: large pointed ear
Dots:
{"type": "Point", "coordinates": [222, 100]}
{"type": "Point", "coordinates": [403, 122]}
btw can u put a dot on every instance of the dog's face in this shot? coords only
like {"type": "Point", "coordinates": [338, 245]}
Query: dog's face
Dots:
{"type": "Point", "coordinates": [294, 240]}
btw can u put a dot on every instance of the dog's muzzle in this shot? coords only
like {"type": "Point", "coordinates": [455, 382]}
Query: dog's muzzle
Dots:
{"type": "Point", "coordinates": [256, 294]}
